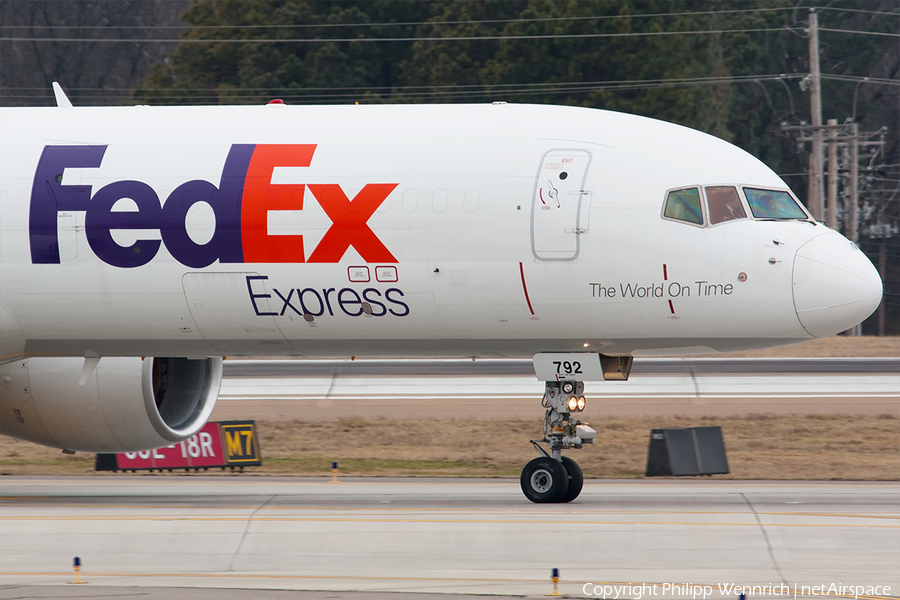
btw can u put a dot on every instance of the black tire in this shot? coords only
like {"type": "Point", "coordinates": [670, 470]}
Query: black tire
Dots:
{"type": "Point", "coordinates": [544, 480]}
{"type": "Point", "coordinates": [576, 479]}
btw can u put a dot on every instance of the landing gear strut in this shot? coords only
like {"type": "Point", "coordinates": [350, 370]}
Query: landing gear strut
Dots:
{"type": "Point", "coordinates": [552, 477]}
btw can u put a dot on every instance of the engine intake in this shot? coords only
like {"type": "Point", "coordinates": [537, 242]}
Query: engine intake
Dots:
{"type": "Point", "coordinates": [125, 405]}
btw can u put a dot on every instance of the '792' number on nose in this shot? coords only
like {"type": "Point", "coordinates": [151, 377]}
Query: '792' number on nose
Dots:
{"type": "Point", "coordinates": [569, 368]}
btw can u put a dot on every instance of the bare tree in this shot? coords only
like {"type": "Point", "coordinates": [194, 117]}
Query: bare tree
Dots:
{"type": "Point", "coordinates": [35, 49]}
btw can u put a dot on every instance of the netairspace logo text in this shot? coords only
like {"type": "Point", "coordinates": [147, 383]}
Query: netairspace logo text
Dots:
{"type": "Point", "coordinates": [636, 591]}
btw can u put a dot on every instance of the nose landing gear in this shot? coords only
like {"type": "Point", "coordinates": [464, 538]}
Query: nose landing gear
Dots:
{"type": "Point", "coordinates": [552, 477]}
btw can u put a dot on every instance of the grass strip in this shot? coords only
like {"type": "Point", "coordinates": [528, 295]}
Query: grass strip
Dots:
{"type": "Point", "coordinates": [812, 447]}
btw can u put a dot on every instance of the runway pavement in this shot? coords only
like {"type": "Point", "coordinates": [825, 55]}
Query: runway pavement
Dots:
{"type": "Point", "coordinates": [443, 536]}
{"type": "Point", "coordinates": [506, 367]}
{"type": "Point", "coordinates": [507, 388]}
{"type": "Point", "coordinates": [34, 592]}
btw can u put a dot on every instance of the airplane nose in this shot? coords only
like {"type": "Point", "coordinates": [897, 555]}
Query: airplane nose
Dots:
{"type": "Point", "coordinates": [835, 285]}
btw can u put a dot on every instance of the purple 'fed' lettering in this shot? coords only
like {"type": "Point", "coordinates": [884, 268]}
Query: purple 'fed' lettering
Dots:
{"type": "Point", "coordinates": [49, 197]}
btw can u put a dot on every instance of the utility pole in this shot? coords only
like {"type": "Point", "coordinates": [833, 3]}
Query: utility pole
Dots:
{"type": "Point", "coordinates": [882, 232]}
{"type": "Point", "coordinates": [815, 105]}
{"type": "Point", "coordinates": [853, 192]}
{"type": "Point", "coordinates": [853, 198]}
{"type": "Point", "coordinates": [839, 137]}
{"type": "Point", "coordinates": [832, 173]}
{"type": "Point", "coordinates": [880, 311]}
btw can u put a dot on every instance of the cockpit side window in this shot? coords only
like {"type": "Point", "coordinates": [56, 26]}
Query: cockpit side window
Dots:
{"type": "Point", "coordinates": [773, 204]}
{"type": "Point", "coordinates": [684, 205]}
{"type": "Point", "coordinates": [724, 204]}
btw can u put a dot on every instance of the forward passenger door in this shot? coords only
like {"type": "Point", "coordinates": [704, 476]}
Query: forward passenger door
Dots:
{"type": "Point", "coordinates": [560, 205]}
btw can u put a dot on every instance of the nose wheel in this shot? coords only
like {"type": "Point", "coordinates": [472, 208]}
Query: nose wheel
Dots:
{"type": "Point", "coordinates": [552, 477]}
{"type": "Point", "coordinates": [545, 480]}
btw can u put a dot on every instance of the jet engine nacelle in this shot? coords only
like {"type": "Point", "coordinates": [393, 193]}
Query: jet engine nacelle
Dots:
{"type": "Point", "coordinates": [114, 405]}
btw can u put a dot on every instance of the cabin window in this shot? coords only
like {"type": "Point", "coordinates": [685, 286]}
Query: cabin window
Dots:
{"type": "Point", "coordinates": [773, 204]}
{"type": "Point", "coordinates": [439, 200]}
{"type": "Point", "coordinates": [684, 205]}
{"type": "Point", "coordinates": [410, 200]}
{"type": "Point", "coordinates": [724, 204]}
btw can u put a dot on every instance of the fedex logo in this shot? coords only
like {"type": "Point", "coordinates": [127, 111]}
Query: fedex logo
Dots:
{"type": "Point", "coordinates": [240, 204]}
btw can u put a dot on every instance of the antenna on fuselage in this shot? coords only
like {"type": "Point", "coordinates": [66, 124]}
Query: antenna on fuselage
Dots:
{"type": "Point", "coordinates": [62, 101]}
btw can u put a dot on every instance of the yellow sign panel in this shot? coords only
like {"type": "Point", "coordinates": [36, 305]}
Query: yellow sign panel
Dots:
{"type": "Point", "coordinates": [240, 443]}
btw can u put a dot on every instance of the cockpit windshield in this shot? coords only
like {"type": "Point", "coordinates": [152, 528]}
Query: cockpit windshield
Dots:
{"type": "Point", "coordinates": [773, 204]}
{"type": "Point", "coordinates": [684, 205]}
{"type": "Point", "coordinates": [724, 204]}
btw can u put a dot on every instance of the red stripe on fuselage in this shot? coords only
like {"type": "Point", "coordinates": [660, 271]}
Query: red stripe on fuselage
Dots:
{"type": "Point", "coordinates": [525, 287]}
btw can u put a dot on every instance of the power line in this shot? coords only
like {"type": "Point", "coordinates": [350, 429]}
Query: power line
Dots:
{"type": "Point", "coordinates": [164, 96]}
{"type": "Point", "coordinates": [411, 23]}
{"type": "Point", "coordinates": [548, 85]}
{"type": "Point", "coordinates": [858, 10]}
{"type": "Point", "coordinates": [884, 34]}
{"type": "Point", "coordinates": [858, 78]}
{"type": "Point", "coordinates": [509, 90]}
{"type": "Point", "coordinates": [467, 38]}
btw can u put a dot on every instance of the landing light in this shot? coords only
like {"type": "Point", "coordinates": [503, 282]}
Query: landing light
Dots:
{"type": "Point", "coordinates": [573, 403]}
{"type": "Point", "coordinates": [568, 387]}
{"type": "Point", "coordinates": [581, 403]}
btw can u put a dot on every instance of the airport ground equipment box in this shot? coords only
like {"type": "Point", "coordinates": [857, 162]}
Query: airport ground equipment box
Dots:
{"type": "Point", "coordinates": [686, 451]}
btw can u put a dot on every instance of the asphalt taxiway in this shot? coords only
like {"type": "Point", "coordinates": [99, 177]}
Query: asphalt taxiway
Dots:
{"type": "Point", "coordinates": [442, 535]}
{"type": "Point", "coordinates": [510, 367]}
{"type": "Point", "coordinates": [496, 389]}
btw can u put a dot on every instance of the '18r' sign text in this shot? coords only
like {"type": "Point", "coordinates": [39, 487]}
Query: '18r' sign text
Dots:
{"type": "Point", "coordinates": [223, 444]}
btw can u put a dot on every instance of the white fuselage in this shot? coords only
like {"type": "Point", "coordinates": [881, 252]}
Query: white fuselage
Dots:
{"type": "Point", "coordinates": [247, 231]}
